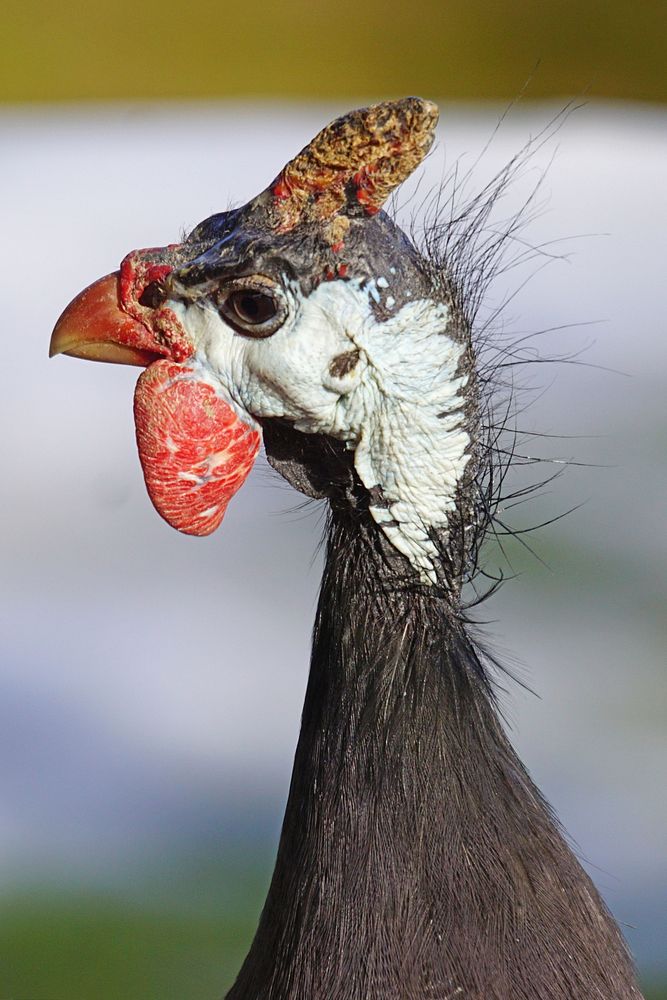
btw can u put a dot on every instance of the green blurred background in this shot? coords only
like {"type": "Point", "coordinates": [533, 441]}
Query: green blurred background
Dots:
{"type": "Point", "coordinates": [182, 929]}
{"type": "Point", "coordinates": [478, 49]}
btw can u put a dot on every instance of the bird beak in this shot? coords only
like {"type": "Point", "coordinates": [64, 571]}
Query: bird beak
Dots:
{"type": "Point", "coordinates": [95, 327]}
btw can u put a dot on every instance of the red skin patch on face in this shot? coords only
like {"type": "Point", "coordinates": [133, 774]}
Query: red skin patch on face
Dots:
{"type": "Point", "coordinates": [137, 271]}
{"type": "Point", "coordinates": [339, 271]}
{"type": "Point", "coordinates": [280, 189]}
{"type": "Point", "coordinates": [195, 450]}
{"type": "Point", "coordinates": [364, 183]}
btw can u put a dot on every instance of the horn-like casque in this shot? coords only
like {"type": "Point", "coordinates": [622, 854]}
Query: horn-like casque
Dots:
{"type": "Point", "coordinates": [352, 166]}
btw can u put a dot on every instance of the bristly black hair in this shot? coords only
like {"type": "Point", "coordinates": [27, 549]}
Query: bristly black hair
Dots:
{"type": "Point", "coordinates": [468, 242]}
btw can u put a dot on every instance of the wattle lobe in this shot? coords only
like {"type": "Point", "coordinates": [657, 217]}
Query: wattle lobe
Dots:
{"type": "Point", "coordinates": [195, 450]}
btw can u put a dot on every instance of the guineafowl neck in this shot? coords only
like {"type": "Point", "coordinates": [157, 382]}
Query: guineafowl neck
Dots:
{"type": "Point", "coordinates": [417, 861]}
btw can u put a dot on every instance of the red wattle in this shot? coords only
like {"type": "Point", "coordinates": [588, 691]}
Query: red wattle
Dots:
{"type": "Point", "coordinates": [195, 450]}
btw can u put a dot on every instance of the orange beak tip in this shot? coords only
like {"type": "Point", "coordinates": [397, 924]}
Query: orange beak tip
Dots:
{"type": "Point", "coordinates": [95, 327]}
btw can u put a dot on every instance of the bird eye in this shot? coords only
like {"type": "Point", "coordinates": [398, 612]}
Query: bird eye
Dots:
{"type": "Point", "coordinates": [253, 308]}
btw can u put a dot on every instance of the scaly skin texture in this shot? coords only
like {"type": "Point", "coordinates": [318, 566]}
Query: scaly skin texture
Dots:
{"type": "Point", "coordinates": [353, 164]}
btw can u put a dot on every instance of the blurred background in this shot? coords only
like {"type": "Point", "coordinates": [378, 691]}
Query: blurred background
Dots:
{"type": "Point", "coordinates": [151, 684]}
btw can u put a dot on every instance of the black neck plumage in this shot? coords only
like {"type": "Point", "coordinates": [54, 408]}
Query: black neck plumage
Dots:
{"type": "Point", "coordinates": [417, 860]}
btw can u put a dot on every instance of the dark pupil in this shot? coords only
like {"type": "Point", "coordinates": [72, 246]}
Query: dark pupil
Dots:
{"type": "Point", "coordinates": [253, 307]}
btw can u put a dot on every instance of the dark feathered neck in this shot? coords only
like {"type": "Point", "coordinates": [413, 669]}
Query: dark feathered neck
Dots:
{"type": "Point", "coordinates": [417, 860]}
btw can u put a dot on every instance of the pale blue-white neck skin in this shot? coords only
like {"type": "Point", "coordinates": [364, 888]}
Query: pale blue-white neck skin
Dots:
{"type": "Point", "coordinates": [391, 389]}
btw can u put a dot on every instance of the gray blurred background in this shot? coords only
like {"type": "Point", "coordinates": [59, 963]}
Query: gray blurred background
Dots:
{"type": "Point", "coordinates": [151, 684]}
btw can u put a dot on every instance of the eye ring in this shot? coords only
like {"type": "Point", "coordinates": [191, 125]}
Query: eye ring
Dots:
{"type": "Point", "coordinates": [254, 307]}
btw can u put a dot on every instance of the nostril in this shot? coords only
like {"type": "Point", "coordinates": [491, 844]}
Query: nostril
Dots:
{"type": "Point", "coordinates": [153, 295]}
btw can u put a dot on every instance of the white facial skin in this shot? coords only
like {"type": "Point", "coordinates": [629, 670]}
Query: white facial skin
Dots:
{"type": "Point", "coordinates": [400, 408]}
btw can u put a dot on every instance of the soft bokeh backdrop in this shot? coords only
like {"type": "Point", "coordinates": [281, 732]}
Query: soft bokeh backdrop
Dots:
{"type": "Point", "coordinates": [151, 684]}
{"type": "Point", "coordinates": [314, 49]}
